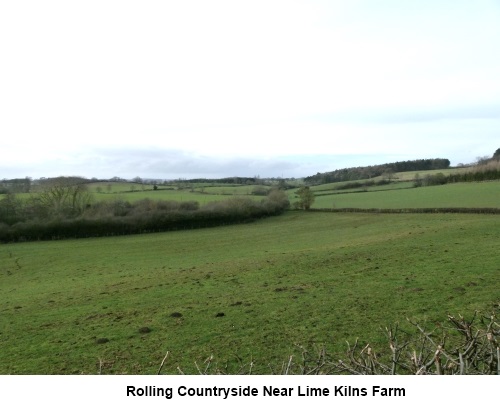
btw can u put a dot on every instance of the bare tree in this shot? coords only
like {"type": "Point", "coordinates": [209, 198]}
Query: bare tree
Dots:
{"type": "Point", "coordinates": [64, 196]}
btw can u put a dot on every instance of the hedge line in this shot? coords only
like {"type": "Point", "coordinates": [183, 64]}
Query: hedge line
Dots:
{"type": "Point", "coordinates": [479, 174]}
{"type": "Point", "coordinates": [215, 214]}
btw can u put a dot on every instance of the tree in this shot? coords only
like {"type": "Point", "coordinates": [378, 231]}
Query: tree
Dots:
{"type": "Point", "coordinates": [64, 196]}
{"type": "Point", "coordinates": [417, 180]}
{"type": "Point", "coordinates": [278, 200]}
{"type": "Point", "coordinates": [388, 174]}
{"type": "Point", "coordinates": [482, 160]}
{"type": "Point", "coordinates": [15, 185]}
{"type": "Point", "coordinates": [496, 155]}
{"type": "Point", "coordinates": [260, 190]}
{"type": "Point", "coordinates": [306, 197]}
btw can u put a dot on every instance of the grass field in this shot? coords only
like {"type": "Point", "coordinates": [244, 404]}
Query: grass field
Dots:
{"type": "Point", "coordinates": [169, 195]}
{"type": "Point", "coordinates": [201, 193]}
{"type": "Point", "coordinates": [397, 178]}
{"type": "Point", "coordinates": [298, 279]}
{"type": "Point", "coordinates": [217, 189]}
{"type": "Point", "coordinates": [409, 176]}
{"type": "Point", "coordinates": [471, 195]}
{"type": "Point", "coordinates": [396, 185]}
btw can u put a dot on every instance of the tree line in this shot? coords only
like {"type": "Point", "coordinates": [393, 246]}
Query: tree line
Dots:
{"type": "Point", "coordinates": [367, 172]}
{"type": "Point", "coordinates": [15, 185]}
{"type": "Point", "coordinates": [64, 211]}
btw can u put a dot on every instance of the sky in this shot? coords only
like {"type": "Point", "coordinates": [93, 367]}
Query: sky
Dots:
{"type": "Point", "coordinates": [188, 89]}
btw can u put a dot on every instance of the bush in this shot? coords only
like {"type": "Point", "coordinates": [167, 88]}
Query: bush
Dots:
{"type": "Point", "coordinates": [260, 190]}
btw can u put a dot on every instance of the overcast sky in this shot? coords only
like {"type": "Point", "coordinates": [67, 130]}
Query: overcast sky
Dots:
{"type": "Point", "coordinates": [169, 89]}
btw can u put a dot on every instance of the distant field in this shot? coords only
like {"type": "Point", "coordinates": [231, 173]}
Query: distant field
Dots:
{"type": "Point", "coordinates": [469, 195]}
{"type": "Point", "coordinates": [133, 192]}
{"type": "Point", "coordinates": [408, 176]}
{"type": "Point", "coordinates": [221, 189]}
{"type": "Point", "coordinates": [401, 180]}
{"type": "Point", "coordinates": [203, 193]}
{"type": "Point", "coordinates": [171, 195]}
{"type": "Point", "coordinates": [113, 187]}
{"type": "Point", "coordinates": [231, 190]}
{"type": "Point", "coordinates": [396, 178]}
{"type": "Point", "coordinates": [250, 292]}
{"type": "Point", "coordinates": [396, 185]}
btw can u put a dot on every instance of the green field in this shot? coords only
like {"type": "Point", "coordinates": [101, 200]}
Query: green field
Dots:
{"type": "Point", "coordinates": [406, 178]}
{"type": "Point", "coordinates": [332, 188]}
{"type": "Point", "coordinates": [458, 195]}
{"type": "Point", "coordinates": [410, 176]}
{"type": "Point", "coordinates": [134, 192]}
{"type": "Point", "coordinates": [207, 188]}
{"type": "Point", "coordinates": [170, 195]}
{"type": "Point", "coordinates": [304, 278]}
{"type": "Point", "coordinates": [202, 193]}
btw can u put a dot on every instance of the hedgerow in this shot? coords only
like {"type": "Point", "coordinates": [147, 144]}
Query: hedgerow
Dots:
{"type": "Point", "coordinates": [123, 218]}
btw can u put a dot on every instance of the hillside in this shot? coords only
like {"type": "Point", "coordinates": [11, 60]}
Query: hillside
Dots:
{"type": "Point", "coordinates": [256, 293]}
{"type": "Point", "coordinates": [367, 172]}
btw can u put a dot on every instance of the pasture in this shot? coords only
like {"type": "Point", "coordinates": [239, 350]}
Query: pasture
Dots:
{"type": "Point", "coordinates": [457, 195]}
{"type": "Point", "coordinates": [133, 192]}
{"type": "Point", "coordinates": [253, 292]}
{"type": "Point", "coordinates": [202, 193]}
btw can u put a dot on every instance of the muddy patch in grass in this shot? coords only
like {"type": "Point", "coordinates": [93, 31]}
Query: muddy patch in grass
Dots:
{"type": "Point", "coordinates": [176, 315]}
